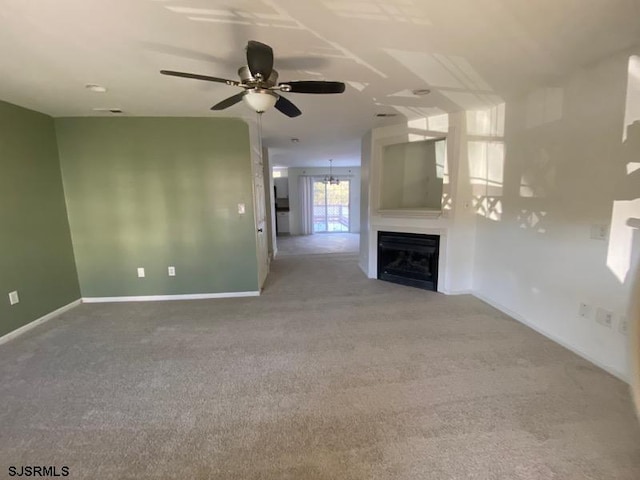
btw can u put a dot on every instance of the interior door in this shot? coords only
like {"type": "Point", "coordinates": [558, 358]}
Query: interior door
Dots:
{"type": "Point", "coordinates": [260, 210]}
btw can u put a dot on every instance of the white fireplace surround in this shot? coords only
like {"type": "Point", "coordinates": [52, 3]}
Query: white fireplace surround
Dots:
{"type": "Point", "coordinates": [455, 223]}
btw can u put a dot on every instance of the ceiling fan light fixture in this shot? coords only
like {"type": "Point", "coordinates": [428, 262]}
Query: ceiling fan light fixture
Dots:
{"type": "Point", "coordinates": [260, 100]}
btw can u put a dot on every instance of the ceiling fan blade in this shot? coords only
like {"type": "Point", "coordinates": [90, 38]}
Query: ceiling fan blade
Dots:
{"type": "Point", "coordinates": [259, 59]}
{"type": "Point", "coordinates": [200, 77]}
{"type": "Point", "coordinates": [288, 108]}
{"type": "Point", "coordinates": [226, 103]}
{"type": "Point", "coordinates": [315, 86]}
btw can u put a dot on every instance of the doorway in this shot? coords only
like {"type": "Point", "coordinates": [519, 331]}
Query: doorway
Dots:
{"type": "Point", "coordinates": [331, 207]}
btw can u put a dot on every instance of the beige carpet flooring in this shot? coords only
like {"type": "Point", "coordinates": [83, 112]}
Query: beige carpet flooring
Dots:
{"type": "Point", "coordinates": [328, 375]}
{"type": "Point", "coordinates": [320, 243]}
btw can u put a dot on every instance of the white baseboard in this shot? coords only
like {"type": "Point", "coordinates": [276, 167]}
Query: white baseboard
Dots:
{"type": "Point", "coordinates": [45, 318]}
{"type": "Point", "coordinates": [364, 270]}
{"type": "Point", "coordinates": [554, 338]}
{"type": "Point", "coordinates": [161, 298]}
{"type": "Point", "coordinates": [457, 292]}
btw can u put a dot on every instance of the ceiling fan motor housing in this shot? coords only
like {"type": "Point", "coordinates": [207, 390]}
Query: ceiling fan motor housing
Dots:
{"type": "Point", "coordinates": [248, 79]}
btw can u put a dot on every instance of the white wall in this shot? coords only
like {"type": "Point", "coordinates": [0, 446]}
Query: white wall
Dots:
{"type": "Point", "coordinates": [365, 180]}
{"type": "Point", "coordinates": [564, 171]}
{"type": "Point", "coordinates": [354, 194]}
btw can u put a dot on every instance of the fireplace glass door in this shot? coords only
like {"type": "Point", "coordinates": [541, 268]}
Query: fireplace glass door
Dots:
{"type": "Point", "coordinates": [409, 259]}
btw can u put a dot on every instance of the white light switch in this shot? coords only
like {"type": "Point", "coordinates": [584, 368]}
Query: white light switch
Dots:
{"type": "Point", "coordinates": [172, 271]}
{"type": "Point", "coordinates": [13, 297]}
{"type": "Point", "coordinates": [241, 208]}
{"type": "Point", "coordinates": [140, 272]}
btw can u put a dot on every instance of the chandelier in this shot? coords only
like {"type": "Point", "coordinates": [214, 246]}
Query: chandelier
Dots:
{"type": "Point", "coordinates": [330, 179]}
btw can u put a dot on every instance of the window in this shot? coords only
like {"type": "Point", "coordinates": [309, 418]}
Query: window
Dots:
{"type": "Point", "coordinates": [330, 207]}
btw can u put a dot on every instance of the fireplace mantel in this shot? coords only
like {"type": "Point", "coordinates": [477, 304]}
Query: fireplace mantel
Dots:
{"type": "Point", "coordinates": [411, 213]}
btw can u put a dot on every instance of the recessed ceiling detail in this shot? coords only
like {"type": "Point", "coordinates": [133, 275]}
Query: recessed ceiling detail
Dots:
{"type": "Point", "coordinates": [380, 11]}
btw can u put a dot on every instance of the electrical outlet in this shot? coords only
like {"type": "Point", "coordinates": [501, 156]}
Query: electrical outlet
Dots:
{"type": "Point", "coordinates": [171, 271]}
{"type": "Point", "coordinates": [13, 297]}
{"type": "Point", "coordinates": [241, 208]}
{"type": "Point", "coordinates": [140, 272]}
{"type": "Point", "coordinates": [604, 317]}
{"type": "Point", "coordinates": [584, 311]}
{"type": "Point", "coordinates": [599, 231]}
{"type": "Point", "coordinates": [623, 327]}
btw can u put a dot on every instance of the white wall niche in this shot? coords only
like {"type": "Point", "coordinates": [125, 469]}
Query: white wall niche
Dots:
{"type": "Point", "coordinates": [412, 175]}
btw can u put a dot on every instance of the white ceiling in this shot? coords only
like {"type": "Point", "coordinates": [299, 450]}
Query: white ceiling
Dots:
{"type": "Point", "coordinates": [470, 53]}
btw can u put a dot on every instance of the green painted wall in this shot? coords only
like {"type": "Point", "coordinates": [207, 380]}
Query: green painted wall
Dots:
{"type": "Point", "coordinates": [154, 192]}
{"type": "Point", "coordinates": [36, 257]}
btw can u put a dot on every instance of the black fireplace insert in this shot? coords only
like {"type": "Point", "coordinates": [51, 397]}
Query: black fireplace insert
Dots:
{"type": "Point", "coordinates": [409, 259]}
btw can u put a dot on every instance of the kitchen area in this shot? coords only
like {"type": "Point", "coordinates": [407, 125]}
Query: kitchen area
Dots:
{"type": "Point", "coordinates": [281, 187]}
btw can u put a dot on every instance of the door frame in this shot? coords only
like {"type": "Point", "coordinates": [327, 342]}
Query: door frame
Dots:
{"type": "Point", "coordinates": [261, 229]}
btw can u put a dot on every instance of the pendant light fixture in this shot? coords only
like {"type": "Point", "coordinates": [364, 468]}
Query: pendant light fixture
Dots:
{"type": "Point", "coordinates": [330, 179]}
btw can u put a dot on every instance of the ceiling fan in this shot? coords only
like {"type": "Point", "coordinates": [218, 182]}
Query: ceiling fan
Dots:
{"type": "Point", "coordinates": [260, 83]}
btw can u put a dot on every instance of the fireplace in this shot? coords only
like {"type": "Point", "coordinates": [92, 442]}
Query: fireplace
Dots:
{"type": "Point", "coordinates": [409, 259]}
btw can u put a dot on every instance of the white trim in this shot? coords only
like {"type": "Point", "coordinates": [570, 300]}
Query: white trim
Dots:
{"type": "Point", "coordinates": [159, 298]}
{"type": "Point", "coordinates": [457, 292]}
{"type": "Point", "coordinates": [411, 213]}
{"type": "Point", "coordinates": [45, 318]}
{"type": "Point", "coordinates": [559, 341]}
{"type": "Point", "coordinates": [362, 267]}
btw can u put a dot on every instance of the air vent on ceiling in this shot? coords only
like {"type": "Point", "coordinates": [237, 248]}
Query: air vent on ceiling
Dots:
{"type": "Point", "coordinates": [95, 88]}
{"type": "Point", "coordinates": [382, 115]}
{"type": "Point", "coordinates": [115, 111]}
